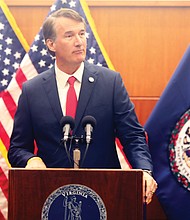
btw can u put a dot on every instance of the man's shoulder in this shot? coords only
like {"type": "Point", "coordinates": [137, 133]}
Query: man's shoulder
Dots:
{"type": "Point", "coordinates": [97, 68]}
{"type": "Point", "coordinates": [40, 77]}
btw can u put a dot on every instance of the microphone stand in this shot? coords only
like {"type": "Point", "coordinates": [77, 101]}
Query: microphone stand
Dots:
{"type": "Point", "coordinates": [76, 151]}
{"type": "Point", "coordinates": [76, 155]}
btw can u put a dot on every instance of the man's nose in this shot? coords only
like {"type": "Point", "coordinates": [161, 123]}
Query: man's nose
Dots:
{"type": "Point", "coordinates": [78, 40]}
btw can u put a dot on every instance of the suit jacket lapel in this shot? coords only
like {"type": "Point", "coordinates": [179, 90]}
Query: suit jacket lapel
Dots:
{"type": "Point", "coordinates": [50, 86]}
{"type": "Point", "coordinates": [88, 83]}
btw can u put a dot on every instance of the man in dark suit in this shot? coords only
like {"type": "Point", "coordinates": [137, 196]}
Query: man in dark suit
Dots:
{"type": "Point", "coordinates": [100, 93]}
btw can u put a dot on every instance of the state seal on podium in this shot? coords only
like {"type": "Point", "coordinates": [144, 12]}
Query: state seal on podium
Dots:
{"type": "Point", "coordinates": [74, 202]}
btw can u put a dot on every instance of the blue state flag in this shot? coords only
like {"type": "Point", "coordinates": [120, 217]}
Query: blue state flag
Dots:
{"type": "Point", "coordinates": [168, 129]}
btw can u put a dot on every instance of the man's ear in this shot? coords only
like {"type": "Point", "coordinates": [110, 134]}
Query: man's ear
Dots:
{"type": "Point", "coordinates": [50, 44]}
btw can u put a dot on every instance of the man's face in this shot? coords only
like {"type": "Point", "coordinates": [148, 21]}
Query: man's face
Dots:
{"type": "Point", "coordinates": [70, 43]}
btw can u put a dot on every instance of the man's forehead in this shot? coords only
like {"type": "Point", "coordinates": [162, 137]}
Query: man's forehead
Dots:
{"type": "Point", "coordinates": [68, 24]}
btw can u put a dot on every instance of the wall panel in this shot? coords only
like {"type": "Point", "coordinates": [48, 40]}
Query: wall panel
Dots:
{"type": "Point", "coordinates": [144, 43]}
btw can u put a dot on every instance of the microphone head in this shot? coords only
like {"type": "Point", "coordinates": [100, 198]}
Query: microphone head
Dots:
{"type": "Point", "coordinates": [67, 120]}
{"type": "Point", "coordinates": [88, 120]}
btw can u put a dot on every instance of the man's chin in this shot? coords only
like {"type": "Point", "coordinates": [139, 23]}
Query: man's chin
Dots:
{"type": "Point", "coordinates": [80, 59]}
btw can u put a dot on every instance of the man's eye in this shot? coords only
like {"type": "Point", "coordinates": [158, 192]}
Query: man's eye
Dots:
{"type": "Point", "coordinates": [82, 34]}
{"type": "Point", "coordinates": [68, 36]}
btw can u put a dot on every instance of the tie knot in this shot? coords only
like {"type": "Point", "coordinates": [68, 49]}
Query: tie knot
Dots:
{"type": "Point", "coordinates": [71, 80]}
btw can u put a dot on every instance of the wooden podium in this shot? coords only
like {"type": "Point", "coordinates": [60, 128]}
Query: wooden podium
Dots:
{"type": "Point", "coordinates": [120, 191]}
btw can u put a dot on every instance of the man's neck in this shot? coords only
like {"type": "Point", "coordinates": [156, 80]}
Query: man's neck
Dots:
{"type": "Point", "coordinates": [68, 69]}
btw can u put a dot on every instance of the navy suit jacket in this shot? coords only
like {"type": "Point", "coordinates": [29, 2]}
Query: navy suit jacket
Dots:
{"type": "Point", "coordinates": [39, 114]}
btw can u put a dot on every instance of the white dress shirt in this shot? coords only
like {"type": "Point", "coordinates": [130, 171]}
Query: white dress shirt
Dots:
{"type": "Point", "coordinates": [63, 85]}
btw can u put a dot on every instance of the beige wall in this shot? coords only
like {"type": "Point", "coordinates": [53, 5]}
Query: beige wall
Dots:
{"type": "Point", "coordinates": [145, 40]}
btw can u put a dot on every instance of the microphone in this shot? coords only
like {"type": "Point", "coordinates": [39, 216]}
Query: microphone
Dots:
{"type": "Point", "coordinates": [68, 124]}
{"type": "Point", "coordinates": [88, 123]}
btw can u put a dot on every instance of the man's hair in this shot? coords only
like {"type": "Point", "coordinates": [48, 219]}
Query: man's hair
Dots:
{"type": "Point", "coordinates": [49, 25]}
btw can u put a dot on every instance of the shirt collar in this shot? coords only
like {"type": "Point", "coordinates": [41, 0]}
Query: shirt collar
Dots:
{"type": "Point", "coordinates": [64, 76]}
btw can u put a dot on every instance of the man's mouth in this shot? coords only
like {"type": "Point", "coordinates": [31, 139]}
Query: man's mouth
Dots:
{"type": "Point", "coordinates": [78, 51]}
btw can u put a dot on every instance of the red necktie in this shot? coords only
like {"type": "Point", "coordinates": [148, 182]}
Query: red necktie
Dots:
{"type": "Point", "coordinates": [71, 102]}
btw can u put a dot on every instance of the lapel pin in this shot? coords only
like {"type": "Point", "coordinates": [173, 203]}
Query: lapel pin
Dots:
{"type": "Point", "coordinates": [91, 79]}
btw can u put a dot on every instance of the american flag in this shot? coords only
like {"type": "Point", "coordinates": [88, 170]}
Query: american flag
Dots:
{"type": "Point", "coordinates": [34, 62]}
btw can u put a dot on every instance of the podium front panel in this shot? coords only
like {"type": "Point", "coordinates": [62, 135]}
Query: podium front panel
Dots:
{"type": "Point", "coordinates": [119, 190]}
